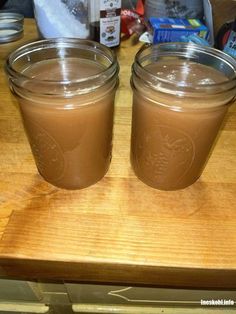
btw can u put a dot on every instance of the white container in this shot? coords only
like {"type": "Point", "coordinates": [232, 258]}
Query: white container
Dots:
{"type": "Point", "coordinates": [62, 18]}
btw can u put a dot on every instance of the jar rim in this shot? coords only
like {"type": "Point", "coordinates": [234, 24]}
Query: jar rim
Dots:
{"type": "Point", "coordinates": [61, 43]}
{"type": "Point", "coordinates": [187, 51]}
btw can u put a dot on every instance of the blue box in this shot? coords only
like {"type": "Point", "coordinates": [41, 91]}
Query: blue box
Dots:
{"type": "Point", "coordinates": [171, 29]}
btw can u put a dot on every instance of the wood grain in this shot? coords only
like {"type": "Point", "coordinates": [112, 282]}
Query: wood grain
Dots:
{"type": "Point", "coordinates": [118, 230]}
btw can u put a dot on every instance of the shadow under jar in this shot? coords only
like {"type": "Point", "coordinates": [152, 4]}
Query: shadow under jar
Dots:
{"type": "Point", "coordinates": [66, 90]}
{"type": "Point", "coordinates": [181, 93]}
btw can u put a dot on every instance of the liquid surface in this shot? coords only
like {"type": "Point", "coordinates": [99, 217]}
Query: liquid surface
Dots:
{"type": "Point", "coordinates": [64, 69]}
{"type": "Point", "coordinates": [186, 73]}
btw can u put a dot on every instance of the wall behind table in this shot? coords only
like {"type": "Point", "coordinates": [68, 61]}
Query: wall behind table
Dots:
{"type": "Point", "coordinates": [223, 11]}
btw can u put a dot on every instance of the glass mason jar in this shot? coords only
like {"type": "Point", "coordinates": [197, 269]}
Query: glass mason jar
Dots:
{"type": "Point", "coordinates": [66, 89]}
{"type": "Point", "coordinates": [181, 93]}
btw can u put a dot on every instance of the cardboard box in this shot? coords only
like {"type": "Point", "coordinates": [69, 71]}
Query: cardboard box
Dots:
{"type": "Point", "coordinates": [171, 29]}
{"type": "Point", "coordinates": [208, 21]}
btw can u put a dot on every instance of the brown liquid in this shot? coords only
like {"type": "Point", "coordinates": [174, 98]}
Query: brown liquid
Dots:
{"type": "Point", "coordinates": [70, 138]}
{"type": "Point", "coordinates": [170, 147]}
{"type": "Point", "coordinates": [94, 30]}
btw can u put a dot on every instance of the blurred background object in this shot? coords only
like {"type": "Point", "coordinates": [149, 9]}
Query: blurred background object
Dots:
{"type": "Point", "coordinates": [24, 7]}
{"type": "Point", "coordinates": [223, 11]}
{"type": "Point", "coordinates": [132, 21]}
{"type": "Point", "coordinates": [170, 8]}
{"type": "Point", "coordinates": [129, 4]}
{"type": "Point", "coordinates": [105, 22]}
{"type": "Point", "coordinates": [173, 29]}
{"type": "Point", "coordinates": [62, 18]}
{"type": "Point", "coordinates": [226, 38]}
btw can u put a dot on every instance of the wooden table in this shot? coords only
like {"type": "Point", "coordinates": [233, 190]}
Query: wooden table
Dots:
{"type": "Point", "coordinates": [119, 230]}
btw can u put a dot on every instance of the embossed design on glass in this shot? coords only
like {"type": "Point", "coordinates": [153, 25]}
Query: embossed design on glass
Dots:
{"type": "Point", "coordinates": [43, 144]}
{"type": "Point", "coordinates": [181, 93]}
{"type": "Point", "coordinates": [66, 90]}
{"type": "Point", "coordinates": [172, 147]}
